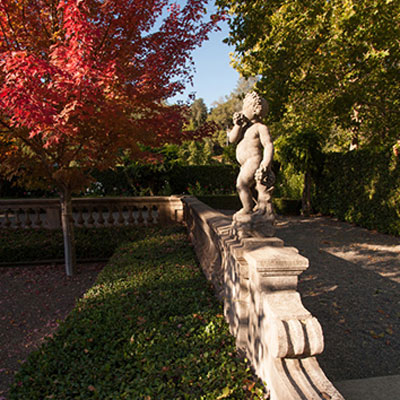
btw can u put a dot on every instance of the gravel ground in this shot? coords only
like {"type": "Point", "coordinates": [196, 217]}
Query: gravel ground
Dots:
{"type": "Point", "coordinates": [352, 287]}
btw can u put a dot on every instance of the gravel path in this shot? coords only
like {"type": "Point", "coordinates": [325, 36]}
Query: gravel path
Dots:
{"type": "Point", "coordinates": [352, 287]}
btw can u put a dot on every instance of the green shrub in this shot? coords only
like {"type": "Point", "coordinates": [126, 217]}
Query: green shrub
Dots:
{"type": "Point", "coordinates": [150, 328]}
{"type": "Point", "coordinates": [361, 187]}
{"type": "Point", "coordinates": [289, 183]}
{"type": "Point", "coordinates": [284, 206]}
{"type": "Point", "coordinates": [222, 202]}
{"type": "Point", "coordinates": [24, 245]}
{"type": "Point", "coordinates": [146, 179]}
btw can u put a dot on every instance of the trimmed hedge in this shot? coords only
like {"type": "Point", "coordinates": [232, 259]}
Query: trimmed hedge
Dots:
{"type": "Point", "coordinates": [170, 179]}
{"type": "Point", "coordinates": [222, 202]}
{"type": "Point", "coordinates": [361, 187]}
{"type": "Point", "coordinates": [26, 245]}
{"type": "Point", "coordinates": [282, 206]}
{"type": "Point", "coordinates": [150, 328]}
{"type": "Point", "coordinates": [147, 179]}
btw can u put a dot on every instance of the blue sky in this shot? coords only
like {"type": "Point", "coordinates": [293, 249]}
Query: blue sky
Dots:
{"type": "Point", "coordinates": [214, 77]}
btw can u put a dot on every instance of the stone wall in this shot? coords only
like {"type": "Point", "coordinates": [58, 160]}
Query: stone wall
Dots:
{"type": "Point", "coordinates": [256, 278]}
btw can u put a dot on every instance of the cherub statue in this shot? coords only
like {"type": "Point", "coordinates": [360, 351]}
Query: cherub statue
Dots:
{"type": "Point", "coordinates": [254, 153]}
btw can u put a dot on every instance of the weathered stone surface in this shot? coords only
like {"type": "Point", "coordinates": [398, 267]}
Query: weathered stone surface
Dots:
{"type": "Point", "coordinates": [255, 181]}
{"type": "Point", "coordinates": [257, 280]}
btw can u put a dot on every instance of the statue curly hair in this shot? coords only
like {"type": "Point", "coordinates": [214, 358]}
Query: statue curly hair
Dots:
{"type": "Point", "coordinates": [260, 105]}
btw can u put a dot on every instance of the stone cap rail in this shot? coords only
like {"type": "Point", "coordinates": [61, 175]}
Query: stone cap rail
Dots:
{"type": "Point", "coordinates": [91, 212]}
{"type": "Point", "coordinates": [257, 280]}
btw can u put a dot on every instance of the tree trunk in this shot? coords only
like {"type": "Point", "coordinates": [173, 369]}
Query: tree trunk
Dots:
{"type": "Point", "coordinates": [68, 232]}
{"type": "Point", "coordinates": [306, 198]}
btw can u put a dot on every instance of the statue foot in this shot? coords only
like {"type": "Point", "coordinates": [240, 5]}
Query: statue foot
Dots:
{"type": "Point", "coordinates": [243, 211]}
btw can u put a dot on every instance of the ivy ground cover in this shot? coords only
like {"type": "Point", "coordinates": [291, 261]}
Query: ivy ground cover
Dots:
{"type": "Point", "coordinates": [150, 328]}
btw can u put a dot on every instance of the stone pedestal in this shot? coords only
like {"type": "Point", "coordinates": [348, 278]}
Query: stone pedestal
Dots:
{"type": "Point", "coordinates": [253, 225]}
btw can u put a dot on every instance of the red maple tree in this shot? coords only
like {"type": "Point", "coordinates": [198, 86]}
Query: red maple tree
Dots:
{"type": "Point", "coordinates": [81, 80]}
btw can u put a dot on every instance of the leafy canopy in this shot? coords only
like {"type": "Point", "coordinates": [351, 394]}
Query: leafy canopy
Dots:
{"type": "Point", "coordinates": [335, 63]}
{"type": "Point", "coordinates": [82, 80]}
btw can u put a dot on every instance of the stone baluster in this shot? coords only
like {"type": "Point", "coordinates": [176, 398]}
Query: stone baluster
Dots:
{"type": "Point", "coordinates": [18, 222]}
{"type": "Point", "coordinates": [150, 217]}
{"type": "Point", "coordinates": [7, 222]}
{"type": "Point", "coordinates": [90, 221]}
{"type": "Point", "coordinates": [38, 220]}
{"type": "Point", "coordinates": [80, 221]}
{"type": "Point", "coordinates": [28, 222]}
{"type": "Point", "coordinates": [100, 218]}
{"type": "Point", "coordinates": [140, 219]}
{"type": "Point", "coordinates": [110, 219]}
{"type": "Point", "coordinates": [121, 219]}
{"type": "Point", "coordinates": [131, 219]}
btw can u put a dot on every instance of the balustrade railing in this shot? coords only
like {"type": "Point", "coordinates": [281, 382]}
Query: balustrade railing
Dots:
{"type": "Point", "coordinates": [91, 212]}
{"type": "Point", "coordinates": [256, 278]}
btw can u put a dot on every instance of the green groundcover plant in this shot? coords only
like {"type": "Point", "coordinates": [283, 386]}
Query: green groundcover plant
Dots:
{"type": "Point", "coordinates": [150, 328]}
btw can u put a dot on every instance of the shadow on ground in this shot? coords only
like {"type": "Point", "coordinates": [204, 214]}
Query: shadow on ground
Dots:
{"type": "Point", "coordinates": [352, 287]}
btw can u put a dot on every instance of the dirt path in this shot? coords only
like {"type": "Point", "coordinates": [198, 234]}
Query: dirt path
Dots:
{"type": "Point", "coordinates": [32, 301]}
{"type": "Point", "coordinates": [353, 287]}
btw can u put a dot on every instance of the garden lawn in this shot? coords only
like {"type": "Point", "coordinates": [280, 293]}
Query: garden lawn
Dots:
{"type": "Point", "coordinates": [150, 328]}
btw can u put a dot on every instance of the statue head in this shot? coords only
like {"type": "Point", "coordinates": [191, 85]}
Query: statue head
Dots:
{"type": "Point", "coordinates": [254, 106]}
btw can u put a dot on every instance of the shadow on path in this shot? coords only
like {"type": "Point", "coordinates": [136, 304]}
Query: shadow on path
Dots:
{"type": "Point", "coordinates": [352, 287]}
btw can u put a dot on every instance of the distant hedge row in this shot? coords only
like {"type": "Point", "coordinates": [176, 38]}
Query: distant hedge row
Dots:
{"type": "Point", "coordinates": [143, 179]}
{"type": "Point", "coordinates": [361, 187]}
{"type": "Point", "coordinates": [175, 179]}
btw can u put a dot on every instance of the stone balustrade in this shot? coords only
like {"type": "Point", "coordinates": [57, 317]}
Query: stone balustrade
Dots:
{"type": "Point", "coordinates": [257, 280]}
{"type": "Point", "coordinates": [91, 212]}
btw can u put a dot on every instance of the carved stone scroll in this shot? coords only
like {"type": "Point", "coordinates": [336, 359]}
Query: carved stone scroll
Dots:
{"type": "Point", "coordinates": [257, 281]}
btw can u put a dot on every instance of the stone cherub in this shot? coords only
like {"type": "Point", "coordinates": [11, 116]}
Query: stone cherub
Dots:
{"type": "Point", "coordinates": [255, 181]}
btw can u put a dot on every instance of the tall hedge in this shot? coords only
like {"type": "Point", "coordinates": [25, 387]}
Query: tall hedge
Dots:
{"type": "Point", "coordinates": [147, 179]}
{"type": "Point", "coordinates": [361, 187]}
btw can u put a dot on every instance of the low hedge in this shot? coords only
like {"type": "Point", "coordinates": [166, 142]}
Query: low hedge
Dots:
{"type": "Point", "coordinates": [282, 206]}
{"type": "Point", "coordinates": [222, 202]}
{"type": "Point", "coordinates": [361, 187]}
{"type": "Point", "coordinates": [150, 328]}
{"type": "Point", "coordinates": [26, 245]}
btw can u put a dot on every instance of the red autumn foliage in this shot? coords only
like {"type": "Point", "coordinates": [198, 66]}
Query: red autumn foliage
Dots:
{"type": "Point", "coordinates": [82, 80]}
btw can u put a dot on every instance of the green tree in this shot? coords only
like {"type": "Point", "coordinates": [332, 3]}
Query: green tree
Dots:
{"type": "Point", "coordinates": [332, 61]}
{"type": "Point", "coordinates": [198, 114]}
{"type": "Point", "coordinates": [223, 109]}
{"type": "Point", "coordinates": [302, 149]}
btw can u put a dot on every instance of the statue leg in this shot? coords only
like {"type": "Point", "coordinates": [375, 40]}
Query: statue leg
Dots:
{"type": "Point", "coordinates": [245, 183]}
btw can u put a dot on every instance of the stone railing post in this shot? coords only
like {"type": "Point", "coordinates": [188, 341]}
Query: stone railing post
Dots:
{"type": "Point", "coordinates": [283, 337]}
{"type": "Point", "coordinates": [171, 211]}
{"type": "Point", "coordinates": [257, 279]}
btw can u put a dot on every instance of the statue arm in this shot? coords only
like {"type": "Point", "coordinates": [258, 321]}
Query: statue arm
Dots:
{"type": "Point", "coordinates": [266, 141]}
{"type": "Point", "coordinates": [235, 135]}
{"type": "Point", "coordinates": [268, 153]}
